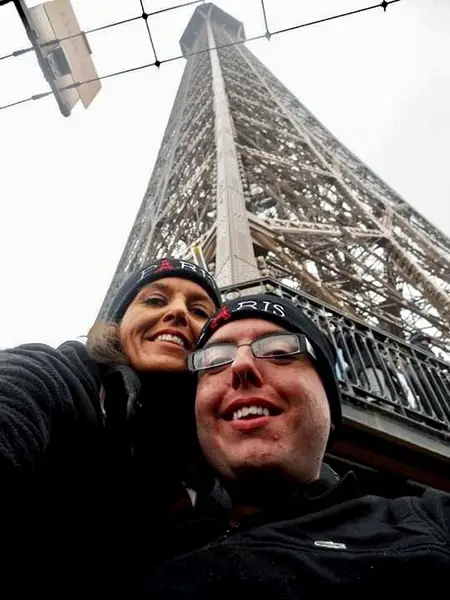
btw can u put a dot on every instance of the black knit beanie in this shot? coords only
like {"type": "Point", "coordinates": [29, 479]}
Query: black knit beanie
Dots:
{"type": "Point", "coordinates": [284, 313]}
{"type": "Point", "coordinates": [163, 267]}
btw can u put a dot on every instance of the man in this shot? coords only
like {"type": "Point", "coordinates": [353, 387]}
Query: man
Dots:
{"type": "Point", "coordinates": [266, 403]}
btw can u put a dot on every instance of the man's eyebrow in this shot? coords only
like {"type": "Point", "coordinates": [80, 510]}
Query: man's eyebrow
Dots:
{"type": "Point", "coordinates": [222, 341]}
{"type": "Point", "coordinates": [227, 340]}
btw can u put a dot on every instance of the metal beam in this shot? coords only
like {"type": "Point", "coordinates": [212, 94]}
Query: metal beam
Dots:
{"type": "Point", "coordinates": [235, 258]}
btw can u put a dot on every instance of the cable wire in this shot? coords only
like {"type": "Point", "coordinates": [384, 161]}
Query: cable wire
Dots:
{"type": "Point", "coordinates": [266, 25]}
{"type": "Point", "coordinates": [16, 53]}
{"type": "Point", "coordinates": [145, 17]}
{"type": "Point", "coordinates": [157, 63]}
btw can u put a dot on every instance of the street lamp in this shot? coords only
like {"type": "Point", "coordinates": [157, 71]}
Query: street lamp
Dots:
{"type": "Point", "coordinates": [62, 51]}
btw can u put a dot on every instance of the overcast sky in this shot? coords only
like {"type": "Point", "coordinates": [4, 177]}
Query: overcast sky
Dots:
{"type": "Point", "coordinates": [70, 187]}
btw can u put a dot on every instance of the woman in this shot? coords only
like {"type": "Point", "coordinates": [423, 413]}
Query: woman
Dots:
{"type": "Point", "coordinates": [95, 439]}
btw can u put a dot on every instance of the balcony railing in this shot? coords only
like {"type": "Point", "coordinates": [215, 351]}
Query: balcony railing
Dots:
{"type": "Point", "coordinates": [377, 371]}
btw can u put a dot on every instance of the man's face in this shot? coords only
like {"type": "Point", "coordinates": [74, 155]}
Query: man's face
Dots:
{"type": "Point", "coordinates": [291, 439]}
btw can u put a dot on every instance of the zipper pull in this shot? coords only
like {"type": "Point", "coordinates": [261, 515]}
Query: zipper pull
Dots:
{"type": "Point", "coordinates": [228, 532]}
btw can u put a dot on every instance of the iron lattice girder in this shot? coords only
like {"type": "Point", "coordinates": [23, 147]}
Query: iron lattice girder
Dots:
{"type": "Point", "coordinates": [315, 214]}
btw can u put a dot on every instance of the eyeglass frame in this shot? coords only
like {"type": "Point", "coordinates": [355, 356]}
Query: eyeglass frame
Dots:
{"type": "Point", "coordinates": [305, 348]}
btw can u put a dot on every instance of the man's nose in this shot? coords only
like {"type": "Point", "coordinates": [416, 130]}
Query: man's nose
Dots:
{"type": "Point", "coordinates": [244, 369]}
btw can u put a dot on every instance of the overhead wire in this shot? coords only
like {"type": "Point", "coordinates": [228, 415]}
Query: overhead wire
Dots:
{"type": "Point", "coordinates": [145, 16]}
{"type": "Point", "coordinates": [157, 63]}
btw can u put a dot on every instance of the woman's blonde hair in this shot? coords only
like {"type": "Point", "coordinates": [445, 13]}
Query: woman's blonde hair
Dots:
{"type": "Point", "coordinates": [103, 344]}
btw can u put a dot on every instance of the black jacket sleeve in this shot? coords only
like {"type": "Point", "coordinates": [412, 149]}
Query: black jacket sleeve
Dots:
{"type": "Point", "coordinates": [434, 507]}
{"type": "Point", "coordinates": [42, 388]}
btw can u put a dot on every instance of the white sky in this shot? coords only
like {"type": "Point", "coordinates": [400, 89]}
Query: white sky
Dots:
{"type": "Point", "coordinates": [70, 188]}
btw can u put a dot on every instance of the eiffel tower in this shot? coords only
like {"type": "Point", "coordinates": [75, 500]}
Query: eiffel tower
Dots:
{"type": "Point", "coordinates": [248, 182]}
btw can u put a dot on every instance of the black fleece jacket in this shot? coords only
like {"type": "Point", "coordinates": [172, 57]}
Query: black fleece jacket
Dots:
{"type": "Point", "coordinates": [325, 541]}
{"type": "Point", "coordinates": [47, 397]}
{"type": "Point", "coordinates": [79, 489]}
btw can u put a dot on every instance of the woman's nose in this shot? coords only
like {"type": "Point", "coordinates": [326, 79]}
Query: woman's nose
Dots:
{"type": "Point", "coordinates": [176, 311]}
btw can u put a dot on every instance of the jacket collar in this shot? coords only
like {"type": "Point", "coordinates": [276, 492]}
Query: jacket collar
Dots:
{"type": "Point", "coordinates": [328, 490]}
{"type": "Point", "coordinates": [122, 385]}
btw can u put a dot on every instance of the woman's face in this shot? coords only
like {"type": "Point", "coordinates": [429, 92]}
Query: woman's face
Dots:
{"type": "Point", "coordinates": [163, 323]}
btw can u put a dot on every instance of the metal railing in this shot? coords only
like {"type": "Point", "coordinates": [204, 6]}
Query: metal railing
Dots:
{"type": "Point", "coordinates": [377, 371]}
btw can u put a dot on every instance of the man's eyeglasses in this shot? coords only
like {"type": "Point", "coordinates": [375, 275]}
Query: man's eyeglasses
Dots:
{"type": "Point", "coordinates": [275, 346]}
